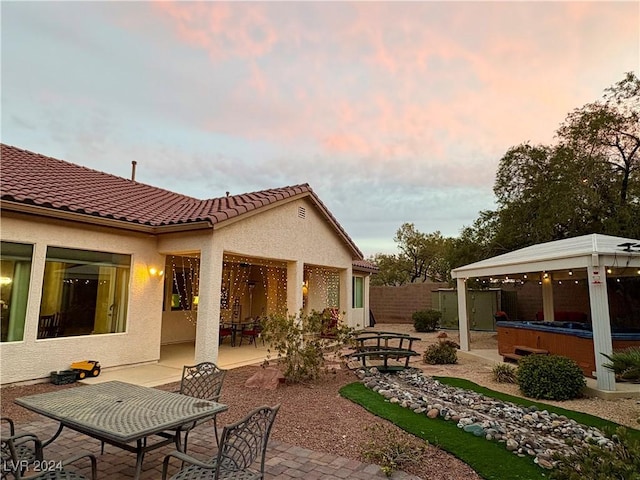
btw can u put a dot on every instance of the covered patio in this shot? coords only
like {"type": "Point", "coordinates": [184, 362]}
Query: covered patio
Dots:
{"type": "Point", "coordinates": [607, 265]}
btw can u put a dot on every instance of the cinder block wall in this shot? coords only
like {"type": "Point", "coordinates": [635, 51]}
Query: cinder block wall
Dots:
{"type": "Point", "coordinates": [397, 304]}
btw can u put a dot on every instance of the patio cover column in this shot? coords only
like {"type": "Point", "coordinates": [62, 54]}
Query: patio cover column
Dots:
{"type": "Point", "coordinates": [208, 326]}
{"type": "Point", "coordinates": [602, 343]}
{"type": "Point", "coordinates": [463, 320]}
{"type": "Point", "coordinates": [295, 277]}
{"type": "Point", "coordinates": [346, 293]}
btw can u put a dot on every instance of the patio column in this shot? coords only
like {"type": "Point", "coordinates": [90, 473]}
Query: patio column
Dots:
{"type": "Point", "coordinates": [208, 326]}
{"type": "Point", "coordinates": [463, 319]}
{"type": "Point", "coordinates": [602, 343]}
{"type": "Point", "coordinates": [295, 277]}
{"type": "Point", "coordinates": [346, 292]}
{"type": "Point", "coordinates": [547, 299]}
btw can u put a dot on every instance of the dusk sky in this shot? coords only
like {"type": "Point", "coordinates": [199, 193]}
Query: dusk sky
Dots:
{"type": "Point", "coordinates": [392, 112]}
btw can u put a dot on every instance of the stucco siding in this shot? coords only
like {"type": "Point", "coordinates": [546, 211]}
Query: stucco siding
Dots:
{"type": "Point", "coordinates": [31, 358]}
{"type": "Point", "coordinates": [287, 233]}
{"type": "Point", "coordinates": [281, 233]}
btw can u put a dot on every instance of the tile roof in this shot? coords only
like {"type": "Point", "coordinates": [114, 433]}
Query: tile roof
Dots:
{"type": "Point", "coordinates": [365, 266]}
{"type": "Point", "coordinates": [33, 179]}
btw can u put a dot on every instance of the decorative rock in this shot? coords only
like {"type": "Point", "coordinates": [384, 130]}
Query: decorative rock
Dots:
{"type": "Point", "coordinates": [523, 430]}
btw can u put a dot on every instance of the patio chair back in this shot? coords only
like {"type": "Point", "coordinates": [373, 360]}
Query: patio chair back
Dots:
{"type": "Point", "coordinates": [20, 451]}
{"type": "Point", "coordinates": [245, 441]}
{"type": "Point", "coordinates": [203, 380]}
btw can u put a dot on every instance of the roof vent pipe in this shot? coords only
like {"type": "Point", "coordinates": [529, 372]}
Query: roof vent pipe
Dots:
{"type": "Point", "coordinates": [133, 170]}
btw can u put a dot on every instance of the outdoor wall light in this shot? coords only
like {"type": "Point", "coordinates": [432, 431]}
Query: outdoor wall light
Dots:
{"type": "Point", "coordinates": [154, 272]}
{"type": "Point", "coordinates": [305, 287]}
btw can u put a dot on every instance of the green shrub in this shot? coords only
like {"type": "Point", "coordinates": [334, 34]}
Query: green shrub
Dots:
{"type": "Point", "coordinates": [301, 342]}
{"type": "Point", "coordinates": [551, 377]}
{"type": "Point", "coordinates": [441, 353]}
{"type": "Point", "coordinates": [390, 450]}
{"type": "Point", "coordinates": [426, 320]}
{"type": "Point", "coordinates": [621, 462]}
{"type": "Point", "coordinates": [504, 373]}
{"type": "Point", "coordinates": [625, 364]}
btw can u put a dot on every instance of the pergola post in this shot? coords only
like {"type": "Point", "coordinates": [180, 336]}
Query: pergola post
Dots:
{"type": "Point", "coordinates": [601, 324]}
{"type": "Point", "coordinates": [463, 319]}
{"type": "Point", "coordinates": [547, 298]}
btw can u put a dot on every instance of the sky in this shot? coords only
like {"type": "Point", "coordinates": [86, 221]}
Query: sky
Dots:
{"type": "Point", "coordinates": [392, 112]}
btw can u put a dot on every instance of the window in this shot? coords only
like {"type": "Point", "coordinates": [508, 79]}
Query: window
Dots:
{"type": "Point", "coordinates": [83, 293]}
{"type": "Point", "coordinates": [358, 292]}
{"type": "Point", "coordinates": [15, 272]}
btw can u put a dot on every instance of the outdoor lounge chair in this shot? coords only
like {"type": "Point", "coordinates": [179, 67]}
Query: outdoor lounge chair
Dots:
{"type": "Point", "coordinates": [242, 444]}
{"type": "Point", "coordinates": [204, 381]}
{"type": "Point", "coordinates": [17, 460]}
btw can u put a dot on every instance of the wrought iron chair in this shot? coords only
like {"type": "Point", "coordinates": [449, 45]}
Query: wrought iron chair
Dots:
{"type": "Point", "coordinates": [24, 452]}
{"type": "Point", "coordinates": [204, 381]}
{"type": "Point", "coordinates": [252, 331]}
{"type": "Point", "coordinates": [20, 466]}
{"type": "Point", "coordinates": [50, 326]}
{"type": "Point", "coordinates": [225, 331]}
{"type": "Point", "coordinates": [242, 445]}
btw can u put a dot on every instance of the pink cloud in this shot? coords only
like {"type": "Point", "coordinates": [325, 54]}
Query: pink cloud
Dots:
{"type": "Point", "coordinates": [421, 82]}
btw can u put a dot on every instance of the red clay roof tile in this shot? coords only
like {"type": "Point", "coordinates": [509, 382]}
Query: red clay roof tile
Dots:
{"type": "Point", "coordinates": [35, 179]}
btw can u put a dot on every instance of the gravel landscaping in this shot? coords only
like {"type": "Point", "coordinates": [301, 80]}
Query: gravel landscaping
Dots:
{"type": "Point", "coordinates": [316, 417]}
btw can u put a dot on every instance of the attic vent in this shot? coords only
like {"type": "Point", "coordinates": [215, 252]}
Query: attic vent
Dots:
{"type": "Point", "coordinates": [302, 212]}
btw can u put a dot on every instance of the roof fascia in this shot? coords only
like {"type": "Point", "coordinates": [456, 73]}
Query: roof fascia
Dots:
{"type": "Point", "coordinates": [76, 217]}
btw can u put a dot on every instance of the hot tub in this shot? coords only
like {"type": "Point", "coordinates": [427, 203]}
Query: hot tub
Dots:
{"type": "Point", "coordinates": [571, 339]}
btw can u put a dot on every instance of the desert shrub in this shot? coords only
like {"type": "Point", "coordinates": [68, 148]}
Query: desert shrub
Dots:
{"type": "Point", "coordinates": [550, 377]}
{"type": "Point", "coordinates": [620, 462]}
{"type": "Point", "coordinates": [390, 450]}
{"type": "Point", "coordinates": [426, 320]}
{"type": "Point", "coordinates": [625, 364]}
{"type": "Point", "coordinates": [300, 343]}
{"type": "Point", "coordinates": [504, 373]}
{"type": "Point", "coordinates": [441, 353]}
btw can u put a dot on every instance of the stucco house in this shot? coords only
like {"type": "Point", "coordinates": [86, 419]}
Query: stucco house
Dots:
{"type": "Point", "coordinates": [99, 266]}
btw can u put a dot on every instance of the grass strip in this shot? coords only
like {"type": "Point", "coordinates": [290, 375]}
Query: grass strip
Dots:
{"type": "Point", "coordinates": [583, 418]}
{"type": "Point", "coordinates": [491, 460]}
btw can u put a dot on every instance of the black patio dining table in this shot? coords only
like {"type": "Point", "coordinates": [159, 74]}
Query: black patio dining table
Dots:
{"type": "Point", "coordinates": [123, 414]}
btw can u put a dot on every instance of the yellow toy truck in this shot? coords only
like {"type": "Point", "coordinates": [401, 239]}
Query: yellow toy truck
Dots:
{"type": "Point", "coordinates": [85, 368]}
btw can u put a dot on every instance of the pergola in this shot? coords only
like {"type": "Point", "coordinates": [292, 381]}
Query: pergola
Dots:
{"type": "Point", "coordinates": [595, 256]}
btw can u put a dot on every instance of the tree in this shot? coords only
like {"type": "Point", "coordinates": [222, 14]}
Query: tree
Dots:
{"type": "Point", "coordinates": [393, 271]}
{"type": "Point", "coordinates": [588, 183]}
{"type": "Point", "coordinates": [609, 131]}
{"type": "Point", "coordinates": [422, 257]}
{"type": "Point", "coordinates": [424, 252]}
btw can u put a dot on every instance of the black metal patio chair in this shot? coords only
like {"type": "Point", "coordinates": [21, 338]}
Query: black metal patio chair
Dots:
{"type": "Point", "coordinates": [243, 445]}
{"type": "Point", "coordinates": [204, 381]}
{"type": "Point", "coordinates": [19, 466]}
{"type": "Point", "coordinates": [24, 451]}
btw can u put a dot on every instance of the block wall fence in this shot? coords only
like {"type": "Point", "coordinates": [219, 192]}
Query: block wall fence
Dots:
{"type": "Point", "coordinates": [397, 304]}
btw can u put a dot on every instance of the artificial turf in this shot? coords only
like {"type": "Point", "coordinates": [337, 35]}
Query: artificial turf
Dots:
{"type": "Point", "coordinates": [490, 460]}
